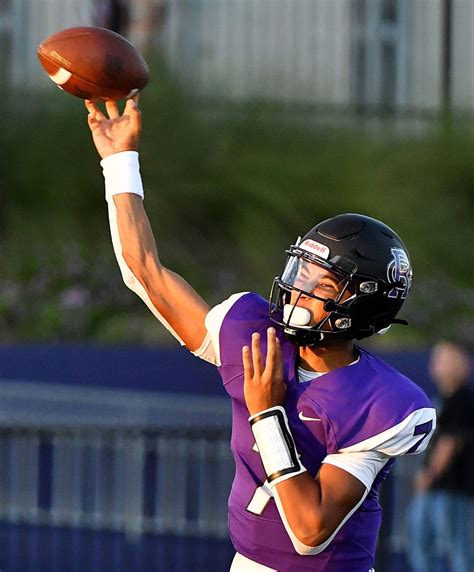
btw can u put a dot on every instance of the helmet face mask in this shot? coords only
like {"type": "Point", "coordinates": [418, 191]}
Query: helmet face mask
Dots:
{"type": "Point", "coordinates": [303, 279]}
{"type": "Point", "coordinates": [359, 270]}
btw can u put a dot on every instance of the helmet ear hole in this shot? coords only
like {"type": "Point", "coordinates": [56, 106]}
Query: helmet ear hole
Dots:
{"type": "Point", "coordinates": [343, 323]}
{"type": "Point", "coordinates": [368, 287]}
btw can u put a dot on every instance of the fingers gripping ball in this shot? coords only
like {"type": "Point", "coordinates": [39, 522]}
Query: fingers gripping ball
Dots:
{"type": "Point", "coordinates": [93, 63]}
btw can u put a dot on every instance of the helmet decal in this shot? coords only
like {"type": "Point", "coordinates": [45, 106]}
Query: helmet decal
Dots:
{"type": "Point", "coordinates": [399, 273]}
{"type": "Point", "coordinates": [314, 247]}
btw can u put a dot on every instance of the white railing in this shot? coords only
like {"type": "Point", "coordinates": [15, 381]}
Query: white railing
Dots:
{"type": "Point", "coordinates": [131, 481]}
{"type": "Point", "coordinates": [130, 462]}
{"type": "Point", "coordinates": [115, 460]}
{"type": "Point", "coordinates": [31, 22]}
{"type": "Point", "coordinates": [322, 52]}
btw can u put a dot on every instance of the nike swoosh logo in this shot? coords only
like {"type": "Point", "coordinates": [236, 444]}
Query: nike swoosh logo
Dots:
{"type": "Point", "coordinates": [304, 418]}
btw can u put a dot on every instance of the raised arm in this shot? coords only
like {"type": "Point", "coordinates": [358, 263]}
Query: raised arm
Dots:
{"type": "Point", "coordinates": [173, 301]}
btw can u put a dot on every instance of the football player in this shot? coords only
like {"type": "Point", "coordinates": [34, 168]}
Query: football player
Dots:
{"type": "Point", "coordinates": [317, 420]}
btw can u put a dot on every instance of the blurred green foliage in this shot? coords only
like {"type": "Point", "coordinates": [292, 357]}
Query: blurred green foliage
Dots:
{"type": "Point", "coordinates": [228, 188]}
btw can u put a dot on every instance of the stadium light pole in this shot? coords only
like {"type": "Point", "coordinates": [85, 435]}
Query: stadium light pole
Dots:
{"type": "Point", "coordinates": [446, 27]}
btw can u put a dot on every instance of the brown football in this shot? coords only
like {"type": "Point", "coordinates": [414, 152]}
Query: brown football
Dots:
{"type": "Point", "coordinates": [93, 63]}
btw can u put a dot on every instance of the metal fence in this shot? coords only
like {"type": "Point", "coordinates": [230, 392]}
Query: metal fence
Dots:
{"type": "Point", "coordinates": [129, 470]}
{"type": "Point", "coordinates": [136, 484]}
{"type": "Point", "coordinates": [405, 54]}
{"type": "Point", "coordinates": [103, 480]}
{"type": "Point", "coordinates": [24, 24]}
{"type": "Point", "coordinates": [401, 54]}
{"type": "Point", "coordinates": [132, 481]}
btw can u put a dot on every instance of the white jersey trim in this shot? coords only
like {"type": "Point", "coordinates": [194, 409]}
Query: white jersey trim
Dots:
{"type": "Point", "coordinates": [214, 320]}
{"type": "Point", "coordinates": [400, 438]}
{"type": "Point", "coordinates": [241, 563]}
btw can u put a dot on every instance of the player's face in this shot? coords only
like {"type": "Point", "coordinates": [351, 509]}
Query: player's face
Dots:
{"type": "Point", "coordinates": [318, 281]}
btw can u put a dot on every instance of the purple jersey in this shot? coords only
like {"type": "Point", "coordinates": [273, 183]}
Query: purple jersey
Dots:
{"type": "Point", "coordinates": [364, 407]}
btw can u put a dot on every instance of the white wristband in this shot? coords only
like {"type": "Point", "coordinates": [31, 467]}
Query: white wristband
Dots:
{"type": "Point", "coordinates": [122, 174]}
{"type": "Point", "coordinates": [276, 445]}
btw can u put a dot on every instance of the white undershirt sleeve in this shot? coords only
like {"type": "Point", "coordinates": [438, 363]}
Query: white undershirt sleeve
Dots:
{"type": "Point", "coordinates": [363, 465]}
{"type": "Point", "coordinates": [122, 175]}
{"type": "Point", "coordinates": [131, 281]}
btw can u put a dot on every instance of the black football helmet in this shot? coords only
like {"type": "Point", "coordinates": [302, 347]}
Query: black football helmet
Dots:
{"type": "Point", "coordinates": [373, 271]}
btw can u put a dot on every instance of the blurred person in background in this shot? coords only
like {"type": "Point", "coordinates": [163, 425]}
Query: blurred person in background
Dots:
{"type": "Point", "coordinates": [317, 422]}
{"type": "Point", "coordinates": [114, 15]}
{"type": "Point", "coordinates": [442, 509]}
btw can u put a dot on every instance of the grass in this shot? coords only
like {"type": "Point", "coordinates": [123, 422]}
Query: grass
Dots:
{"type": "Point", "coordinates": [227, 190]}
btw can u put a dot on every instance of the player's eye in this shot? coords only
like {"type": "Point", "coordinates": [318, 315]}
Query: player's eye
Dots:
{"type": "Point", "coordinates": [327, 286]}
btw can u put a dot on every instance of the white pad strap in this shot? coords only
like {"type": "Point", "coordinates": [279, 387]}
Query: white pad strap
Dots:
{"type": "Point", "coordinates": [276, 445]}
{"type": "Point", "coordinates": [122, 174]}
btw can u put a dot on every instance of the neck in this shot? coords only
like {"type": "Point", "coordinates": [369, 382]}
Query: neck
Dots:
{"type": "Point", "coordinates": [327, 357]}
